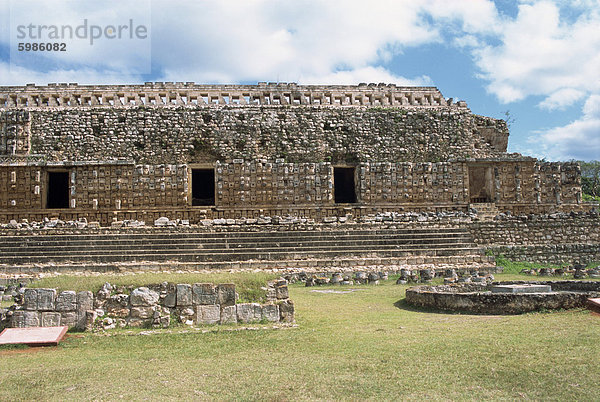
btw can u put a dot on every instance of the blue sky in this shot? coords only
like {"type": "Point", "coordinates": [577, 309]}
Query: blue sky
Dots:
{"type": "Point", "coordinates": [538, 59]}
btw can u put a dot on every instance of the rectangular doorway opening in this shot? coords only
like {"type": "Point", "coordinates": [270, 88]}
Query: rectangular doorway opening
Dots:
{"type": "Point", "coordinates": [480, 184]}
{"type": "Point", "coordinates": [344, 189]}
{"type": "Point", "coordinates": [203, 187]}
{"type": "Point", "coordinates": [58, 190]}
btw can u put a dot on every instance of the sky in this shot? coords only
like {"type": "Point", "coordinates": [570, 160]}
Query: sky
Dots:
{"type": "Point", "coordinates": [537, 60]}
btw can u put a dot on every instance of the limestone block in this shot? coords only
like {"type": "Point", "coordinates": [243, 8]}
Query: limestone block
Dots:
{"type": "Point", "coordinates": [46, 298]}
{"type": "Point", "coordinates": [31, 319]}
{"type": "Point", "coordinates": [226, 294]}
{"type": "Point", "coordinates": [143, 312]}
{"type": "Point", "coordinates": [170, 299]}
{"type": "Point", "coordinates": [184, 295]}
{"type": "Point", "coordinates": [66, 301]}
{"type": "Point", "coordinates": [208, 314]}
{"type": "Point", "coordinates": [68, 318]}
{"type": "Point", "coordinates": [85, 303]}
{"type": "Point", "coordinates": [30, 299]}
{"type": "Point", "coordinates": [143, 296]}
{"type": "Point", "coordinates": [50, 319]}
{"type": "Point", "coordinates": [204, 293]}
{"type": "Point", "coordinates": [249, 312]}
{"type": "Point", "coordinates": [286, 311]}
{"type": "Point", "coordinates": [270, 312]}
{"type": "Point", "coordinates": [228, 315]}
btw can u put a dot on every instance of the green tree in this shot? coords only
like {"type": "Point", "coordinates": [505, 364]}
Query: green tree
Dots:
{"type": "Point", "coordinates": [590, 178]}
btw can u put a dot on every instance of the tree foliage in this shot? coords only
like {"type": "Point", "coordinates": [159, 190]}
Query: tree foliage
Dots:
{"type": "Point", "coordinates": [590, 178]}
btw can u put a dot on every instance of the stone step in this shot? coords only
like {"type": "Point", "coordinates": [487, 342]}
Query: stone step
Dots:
{"type": "Point", "coordinates": [226, 244]}
{"type": "Point", "coordinates": [176, 255]}
{"type": "Point", "coordinates": [36, 236]}
{"type": "Point", "coordinates": [49, 241]}
{"type": "Point", "coordinates": [306, 264]}
{"type": "Point", "coordinates": [199, 249]}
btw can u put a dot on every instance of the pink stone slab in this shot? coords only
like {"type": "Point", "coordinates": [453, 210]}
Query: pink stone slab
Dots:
{"type": "Point", "coordinates": [35, 336]}
{"type": "Point", "coordinates": [594, 305]}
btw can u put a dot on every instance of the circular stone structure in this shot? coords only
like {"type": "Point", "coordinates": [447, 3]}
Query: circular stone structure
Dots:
{"type": "Point", "coordinates": [514, 297]}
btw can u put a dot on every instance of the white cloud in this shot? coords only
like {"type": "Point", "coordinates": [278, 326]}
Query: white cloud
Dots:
{"type": "Point", "coordinates": [561, 99]}
{"type": "Point", "coordinates": [577, 140]}
{"type": "Point", "coordinates": [541, 53]}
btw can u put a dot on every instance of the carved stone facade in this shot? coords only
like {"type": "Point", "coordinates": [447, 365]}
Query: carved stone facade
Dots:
{"type": "Point", "coordinates": [227, 151]}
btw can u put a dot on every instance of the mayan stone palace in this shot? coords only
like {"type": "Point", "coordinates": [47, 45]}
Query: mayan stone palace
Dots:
{"type": "Point", "coordinates": [194, 152]}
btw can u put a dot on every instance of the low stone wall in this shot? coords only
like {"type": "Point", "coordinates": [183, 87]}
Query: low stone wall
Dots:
{"type": "Point", "coordinates": [148, 306]}
{"type": "Point", "coordinates": [548, 239]}
{"type": "Point", "coordinates": [557, 228]}
{"type": "Point", "coordinates": [555, 254]}
{"type": "Point", "coordinates": [474, 298]}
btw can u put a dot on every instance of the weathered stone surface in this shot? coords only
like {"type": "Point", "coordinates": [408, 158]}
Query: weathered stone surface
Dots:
{"type": "Point", "coordinates": [30, 298]}
{"type": "Point", "coordinates": [85, 303]}
{"type": "Point", "coordinates": [249, 312]}
{"type": "Point", "coordinates": [204, 293]}
{"type": "Point", "coordinates": [286, 311]}
{"type": "Point", "coordinates": [51, 319]}
{"type": "Point", "coordinates": [184, 295]}
{"type": "Point", "coordinates": [208, 314]}
{"type": "Point", "coordinates": [66, 301]}
{"type": "Point", "coordinates": [68, 318]}
{"type": "Point", "coordinates": [270, 312]}
{"type": "Point", "coordinates": [226, 294]}
{"type": "Point", "coordinates": [143, 312]}
{"type": "Point", "coordinates": [228, 315]}
{"type": "Point", "coordinates": [46, 298]}
{"type": "Point", "coordinates": [143, 296]}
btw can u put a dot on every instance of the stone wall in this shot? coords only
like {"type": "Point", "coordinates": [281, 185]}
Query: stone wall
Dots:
{"type": "Point", "coordinates": [478, 299]}
{"type": "Point", "coordinates": [175, 135]}
{"type": "Point", "coordinates": [153, 305]}
{"type": "Point", "coordinates": [268, 188]}
{"type": "Point", "coordinates": [538, 230]}
{"type": "Point", "coordinates": [547, 239]}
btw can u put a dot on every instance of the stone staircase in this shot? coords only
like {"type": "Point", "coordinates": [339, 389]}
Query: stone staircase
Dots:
{"type": "Point", "coordinates": [486, 211]}
{"type": "Point", "coordinates": [161, 249]}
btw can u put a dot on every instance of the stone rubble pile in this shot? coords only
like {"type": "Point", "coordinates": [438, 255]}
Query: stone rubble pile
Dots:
{"type": "Point", "coordinates": [146, 306]}
{"type": "Point", "coordinates": [380, 217]}
{"type": "Point", "coordinates": [578, 271]}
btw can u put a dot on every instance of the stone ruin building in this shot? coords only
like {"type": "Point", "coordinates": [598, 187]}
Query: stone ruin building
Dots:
{"type": "Point", "coordinates": [273, 176]}
{"type": "Point", "coordinates": [188, 151]}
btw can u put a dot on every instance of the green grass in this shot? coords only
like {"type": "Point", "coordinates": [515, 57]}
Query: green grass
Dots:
{"type": "Point", "coordinates": [6, 303]}
{"type": "Point", "coordinates": [248, 284]}
{"type": "Point", "coordinates": [362, 345]}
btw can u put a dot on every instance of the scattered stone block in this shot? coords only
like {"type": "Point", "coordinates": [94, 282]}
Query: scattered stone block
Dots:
{"type": "Point", "coordinates": [204, 293]}
{"type": "Point", "coordinates": [208, 314]}
{"type": "Point", "coordinates": [50, 319]}
{"type": "Point", "coordinates": [270, 312]}
{"type": "Point", "coordinates": [228, 315]}
{"type": "Point", "coordinates": [30, 298]}
{"type": "Point", "coordinates": [46, 298]}
{"type": "Point", "coordinates": [226, 294]}
{"type": "Point", "coordinates": [143, 296]}
{"type": "Point", "coordinates": [143, 312]}
{"type": "Point", "coordinates": [66, 301]}
{"type": "Point", "coordinates": [286, 311]}
{"type": "Point", "coordinates": [184, 295]}
{"type": "Point", "coordinates": [249, 312]}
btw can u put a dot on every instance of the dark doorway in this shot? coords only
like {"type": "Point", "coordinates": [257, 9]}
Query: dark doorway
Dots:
{"type": "Point", "coordinates": [343, 185]}
{"type": "Point", "coordinates": [480, 184]}
{"type": "Point", "coordinates": [58, 190]}
{"type": "Point", "coordinates": [203, 187]}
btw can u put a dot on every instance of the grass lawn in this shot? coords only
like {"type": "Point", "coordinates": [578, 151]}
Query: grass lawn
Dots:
{"type": "Point", "coordinates": [365, 344]}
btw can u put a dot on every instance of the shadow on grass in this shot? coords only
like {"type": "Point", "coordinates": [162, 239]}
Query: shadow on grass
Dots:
{"type": "Point", "coordinates": [403, 305]}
